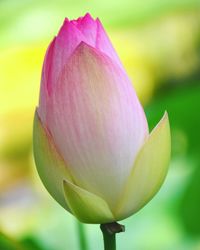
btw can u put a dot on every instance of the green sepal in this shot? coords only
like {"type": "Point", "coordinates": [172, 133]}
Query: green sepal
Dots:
{"type": "Point", "coordinates": [50, 165]}
{"type": "Point", "coordinates": [86, 206]}
{"type": "Point", "coordinates": [148, 172]}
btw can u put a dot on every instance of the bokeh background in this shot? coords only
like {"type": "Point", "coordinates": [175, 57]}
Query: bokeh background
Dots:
{"type": "Point", "coordinates": [159, 44]}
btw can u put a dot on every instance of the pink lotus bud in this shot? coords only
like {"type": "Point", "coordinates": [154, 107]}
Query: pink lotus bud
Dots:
{"type": "Point", "coordinates": [92, 147]}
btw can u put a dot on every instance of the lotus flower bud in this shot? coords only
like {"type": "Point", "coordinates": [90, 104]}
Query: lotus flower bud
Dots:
{"type": "Point", "coordinates": [92, 147]}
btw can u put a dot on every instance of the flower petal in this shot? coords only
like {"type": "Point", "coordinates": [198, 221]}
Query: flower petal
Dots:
{"type": "Point", "coordinates": [149, 171]}
{"type": "Point", "coordinates": [57, 55]}
{"type": "Point", "coordinates": [47, 72]}
{"type": "Point", "coordinates": [51, 167]}
{"type": "Point", "coordinates": [67, 40]}
{"type": "Point", "coordinates": [87, 25]}
{"type": "Point", "coordinates": [86, 206]}
{"type": "Point", "coordinates": [97, 122]}
{"type": "Point", "coordinates": [104, 44]}
{"type": "Point", "coordinates": [96, 36]}
{"type": "Point", "coordinates": [71, 34]}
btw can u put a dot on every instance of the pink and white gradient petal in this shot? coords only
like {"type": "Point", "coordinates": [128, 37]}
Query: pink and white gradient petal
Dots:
{"type": "Point", "coordinates": [97, 122]}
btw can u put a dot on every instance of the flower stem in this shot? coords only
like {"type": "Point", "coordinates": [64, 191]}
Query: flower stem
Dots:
{"type": "Point", "coordinates": [82, 236]}
{"type": "Point", "coordinates": [109, 230]}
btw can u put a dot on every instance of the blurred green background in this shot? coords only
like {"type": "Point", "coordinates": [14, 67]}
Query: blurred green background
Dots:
{"type": "Point", "coordinates": [159, 44]}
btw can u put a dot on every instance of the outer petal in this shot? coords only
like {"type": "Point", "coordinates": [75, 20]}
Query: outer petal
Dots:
{"type": "Point", "coordinates": [104, 44]}
{"type": "Point", "coordinates": [57, 55]}
{"type": "Point", "coordinates": [87, 207]}
{"type": "Point", "coordinates": [149, 171]}
{"type": "Point", "coordinates": [97, 122]}
{"type": "Point", "coordinates": [51, 167]}
{"type": "Point", "coordinates": [47, 72]}
{"type": "Point", "coordinates": [66, 42]}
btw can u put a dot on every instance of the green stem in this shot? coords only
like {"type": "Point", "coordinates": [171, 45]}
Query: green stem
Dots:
{"type": "Point", "coordinates": [109, 230]}
{"type": "Point", "coordinates": [82, 236]}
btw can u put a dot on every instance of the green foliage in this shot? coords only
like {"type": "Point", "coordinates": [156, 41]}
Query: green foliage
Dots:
{"type": "Point", "coordinates": [7, 243]}
{"type": "Point", "coordinates": [190, 204]}
{"type": "Point", "coordinates": [27, 243]}
{"type": "Point", "coordinates": [182, 105]}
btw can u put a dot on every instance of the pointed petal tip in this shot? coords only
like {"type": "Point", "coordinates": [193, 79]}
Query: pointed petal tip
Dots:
{"type": "Point", "coordinates": [66, 20]}
{"type": "Point", "coordinates": [64, 25]}
{"type": "Point", "coordinates": [163, 122]}
{"type": "Point", "coordinates": [165, 116]}
{"type": "Point", "coordinates": [84, 47]}
{"type": "Point", "coordinates": [67, 26]}
{"type": "Point", "coordinates": [88, 16]}
{"type": "Point", "coordinates": [98, 21]}
{"type": "Point", "coordinates": [87, 25]}
{"type": "Point", "coordinates": [85, 50]}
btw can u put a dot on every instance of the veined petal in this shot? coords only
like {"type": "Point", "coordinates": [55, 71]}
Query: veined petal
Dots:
{"type": "Point", "coordinates": [96, 36]}
{"type": "Point", "coordinates": [71, 34]}
{"type": "Point", "coordinates": [86, 206]}
{"type": "Point", "coordinates": [104, 44]}
{"type": "Point", "coordinates": [68, 39]}
{"type": "Point", "coordinates": [97, 122]}
{"type": "Point", "coordinates": [149, 171]}
{"type": "Point", "coordinates": [51, 167]}
{"type": "Point", "coordinates": [66, 42]}
{"type": "Point", "coordinates": [87, 25]}
{"type": "Point", "coordinates": [57, 55]}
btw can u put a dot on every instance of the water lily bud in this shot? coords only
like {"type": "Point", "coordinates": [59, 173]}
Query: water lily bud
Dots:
{"type": "Point", "coordinates": [92, 146]}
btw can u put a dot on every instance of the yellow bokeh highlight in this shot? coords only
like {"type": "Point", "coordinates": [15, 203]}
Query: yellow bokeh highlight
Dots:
{"type": "Point", "coordinates": [20, 70]}
{"type": "Point", "coordinates": [19, 77]}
